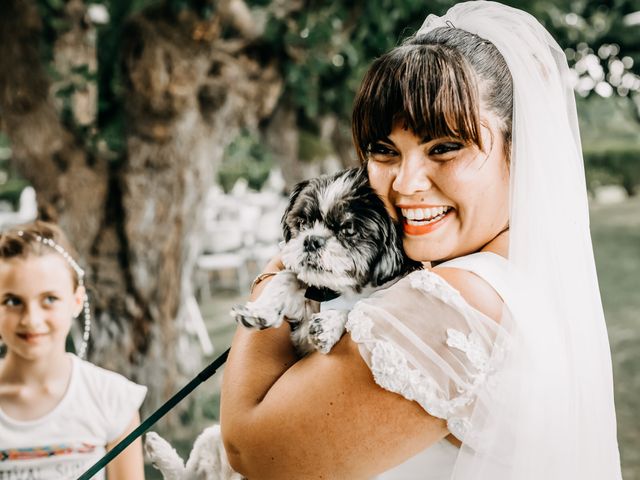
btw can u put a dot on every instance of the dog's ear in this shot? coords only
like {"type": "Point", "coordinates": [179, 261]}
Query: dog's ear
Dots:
{"type": "Point", "coordinates": [297, 189]}
{"type": "Point", "coordinates": [390, 262]}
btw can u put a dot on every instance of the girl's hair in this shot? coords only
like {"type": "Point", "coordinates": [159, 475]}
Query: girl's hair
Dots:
{"type": "Point", "coordinates": [14, 244]}
{"type": "Point", "coordinates": [434, 84]}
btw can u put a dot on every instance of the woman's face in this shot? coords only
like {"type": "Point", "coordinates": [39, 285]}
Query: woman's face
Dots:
{"type": "Point", "coordinates": [452, 198]}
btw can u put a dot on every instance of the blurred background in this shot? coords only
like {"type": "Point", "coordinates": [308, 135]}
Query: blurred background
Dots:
{"type": "Point", "coordinates": [164, 137]}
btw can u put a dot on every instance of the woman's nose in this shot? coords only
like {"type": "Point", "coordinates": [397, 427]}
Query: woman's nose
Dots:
{"type": "Point", "coordinates": [412, 176]}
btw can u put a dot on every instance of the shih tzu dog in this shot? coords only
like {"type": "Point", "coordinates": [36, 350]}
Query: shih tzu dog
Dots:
{"type": "Point", "coordinates": [339, 241]}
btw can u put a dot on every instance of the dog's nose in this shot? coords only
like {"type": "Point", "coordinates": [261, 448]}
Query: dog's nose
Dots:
{"type": "Point", "coordinates": [313, 243]}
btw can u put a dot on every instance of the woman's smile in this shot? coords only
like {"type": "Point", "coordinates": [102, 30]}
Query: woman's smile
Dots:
{"type": "Point", "coordinates": [422, 220]}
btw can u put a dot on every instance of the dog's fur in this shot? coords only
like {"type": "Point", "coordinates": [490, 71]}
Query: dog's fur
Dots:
{"type": "Point", "coordinates": [207, 460]}
{"type": "Point", "coordinates": [338, 236]}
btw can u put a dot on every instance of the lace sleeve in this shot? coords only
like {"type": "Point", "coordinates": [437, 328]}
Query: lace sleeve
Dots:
{"type": "Point", "coordinates": [422, 340]}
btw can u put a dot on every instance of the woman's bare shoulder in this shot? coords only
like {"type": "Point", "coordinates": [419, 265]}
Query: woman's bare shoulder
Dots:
{"type": "Point", "coordinates": [475, 290]}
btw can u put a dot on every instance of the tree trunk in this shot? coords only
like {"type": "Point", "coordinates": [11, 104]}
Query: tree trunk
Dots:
{"type": "Point", "coordinates": [135, 220]}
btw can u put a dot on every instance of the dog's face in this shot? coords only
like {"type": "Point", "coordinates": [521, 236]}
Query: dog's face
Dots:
{"type": "Point", "coordinates": [339, 235]}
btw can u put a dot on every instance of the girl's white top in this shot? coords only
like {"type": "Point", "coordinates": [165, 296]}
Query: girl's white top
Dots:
{"type": "Point", "coordinates": [96, 409]}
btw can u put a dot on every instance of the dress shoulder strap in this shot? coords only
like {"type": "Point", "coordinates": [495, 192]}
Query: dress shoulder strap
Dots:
{"type": "Point", "coordinates": [489, 266]}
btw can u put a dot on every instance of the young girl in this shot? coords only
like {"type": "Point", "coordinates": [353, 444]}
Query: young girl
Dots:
{"type": "Point", "coordinates": [58, 413]}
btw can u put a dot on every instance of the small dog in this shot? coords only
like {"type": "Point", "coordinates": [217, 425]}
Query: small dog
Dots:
{"type": "Point", "coordinates": [339, 240]}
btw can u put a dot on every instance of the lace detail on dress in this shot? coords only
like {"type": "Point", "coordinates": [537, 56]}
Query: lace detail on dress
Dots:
{"type": "Point", "coordinates": [471, 345]}
{"type": "Point", "coordinates": [434, 284]}
{"type": "Point", "coordinates": [392, 370]}
{"type": "Point", "coordinates": [393, 373]}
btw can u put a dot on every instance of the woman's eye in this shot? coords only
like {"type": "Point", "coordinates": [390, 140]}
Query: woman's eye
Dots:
{"type": "Point", "coordinates": [49, 299]}
{"type": "Point", "coordinates": [380, 151]}
{"type": "Point", "coordinates": [443, 148]}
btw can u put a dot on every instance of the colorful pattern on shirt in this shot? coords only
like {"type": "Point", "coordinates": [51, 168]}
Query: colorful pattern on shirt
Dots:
{"type": "Point", "coordinates": [44, 451]}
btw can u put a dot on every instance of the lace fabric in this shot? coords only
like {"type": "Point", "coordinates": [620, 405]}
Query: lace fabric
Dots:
{"type": "Point", "coordinates": [442, 359]}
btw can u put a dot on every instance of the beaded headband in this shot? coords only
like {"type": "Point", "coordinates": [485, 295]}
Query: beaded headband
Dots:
{"type": "Point", "coordinates": [82, 351]}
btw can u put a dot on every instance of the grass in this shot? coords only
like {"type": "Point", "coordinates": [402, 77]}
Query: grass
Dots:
{"type": "Point", "coordinates": [616, 239]}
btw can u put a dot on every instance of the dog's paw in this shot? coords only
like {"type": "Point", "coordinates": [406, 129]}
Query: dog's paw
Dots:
{"type": "Point", "coordinates": [326, 328]}
{"type": "Point", "coordinates": [252, 316]}
{"type": "Point", "coordinates": [282, 297]}
{"type": "Point", "coordinates": [163, 456]}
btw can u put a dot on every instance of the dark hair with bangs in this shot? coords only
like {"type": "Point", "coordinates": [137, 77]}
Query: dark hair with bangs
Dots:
{"type": "Point", "coordinates": [21, 242]}
{"type": "Point", "coordinates": [434, 84]}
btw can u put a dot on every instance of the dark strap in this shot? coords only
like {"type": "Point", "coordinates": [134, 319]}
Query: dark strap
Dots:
{"type": "Point", "coordinates": [155, 416]}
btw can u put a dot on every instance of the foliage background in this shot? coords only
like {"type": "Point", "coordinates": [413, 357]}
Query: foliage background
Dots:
{"type": "Point", "coordinates": [321, 49]}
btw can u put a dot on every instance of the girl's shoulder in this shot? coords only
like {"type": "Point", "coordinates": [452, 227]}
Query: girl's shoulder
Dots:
{"type": "Point", "coordinates": [114, 396]}
{"type": "Point", "coordinates": [104, 381]}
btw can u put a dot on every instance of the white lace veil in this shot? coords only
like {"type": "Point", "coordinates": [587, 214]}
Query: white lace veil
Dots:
{"type": "Point", "coordinates": [552, 415]}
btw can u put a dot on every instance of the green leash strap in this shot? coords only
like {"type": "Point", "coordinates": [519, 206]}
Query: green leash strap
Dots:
{"type": "Point", "coordinates": [155, 416]}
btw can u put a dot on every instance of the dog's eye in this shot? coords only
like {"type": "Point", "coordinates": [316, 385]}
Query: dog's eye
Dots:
{"type": "Point", "coordinates": [348, 229]}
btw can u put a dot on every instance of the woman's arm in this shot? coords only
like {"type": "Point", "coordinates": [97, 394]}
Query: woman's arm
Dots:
{"type": "Point", "coordinates": [320, 417]}
{"type": "Point", "coordinates": [257, 358]}
{"type": "Point", "coordinates": [324, 417]}
{"type": "Point", "coordinates": [129, 465]}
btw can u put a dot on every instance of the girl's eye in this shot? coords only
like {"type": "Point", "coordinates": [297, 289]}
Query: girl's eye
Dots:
{"type": "Point", "coordinates": [49, 299]}
{"type": "Point", "coordinates": [12, 302]}
{"type": "Point", "coordinates": [447, 147]}
{"type": "Point", "coordinates": [380, 151]}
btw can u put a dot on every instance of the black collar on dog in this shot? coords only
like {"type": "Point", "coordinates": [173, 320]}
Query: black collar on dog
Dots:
{"type": "Point", "coordinates": [320, 294]}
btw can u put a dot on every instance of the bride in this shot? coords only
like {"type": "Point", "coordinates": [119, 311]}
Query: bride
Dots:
{"type": "Point", "coordinates": [492, 362]}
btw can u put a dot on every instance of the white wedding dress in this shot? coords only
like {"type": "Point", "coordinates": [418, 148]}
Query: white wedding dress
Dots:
{"type": "Point", "coordinates": [439, 358]}
{"type": "Point", "coordinates": [437, 461]}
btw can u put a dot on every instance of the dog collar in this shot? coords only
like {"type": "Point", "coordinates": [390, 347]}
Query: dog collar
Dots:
{"type": "Point", "coordinates": [320, 294]}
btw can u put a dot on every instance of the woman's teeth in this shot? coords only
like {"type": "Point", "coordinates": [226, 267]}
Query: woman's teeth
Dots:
{"type": "Point", "coordinates": [423, 216]}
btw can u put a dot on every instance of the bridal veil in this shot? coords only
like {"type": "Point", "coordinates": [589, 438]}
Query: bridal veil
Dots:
{"type": "Point", "coordinates": [532, 396]}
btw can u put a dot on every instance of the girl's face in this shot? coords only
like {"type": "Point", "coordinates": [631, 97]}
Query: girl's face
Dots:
{"type": "Point", "coordinates": [37, 303]}
{"type": "Point", "coordinates": [451, 197]}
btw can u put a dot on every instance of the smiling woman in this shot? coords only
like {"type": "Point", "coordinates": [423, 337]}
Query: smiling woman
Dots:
{"type": "Point", "coordinates": [490, 362]}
